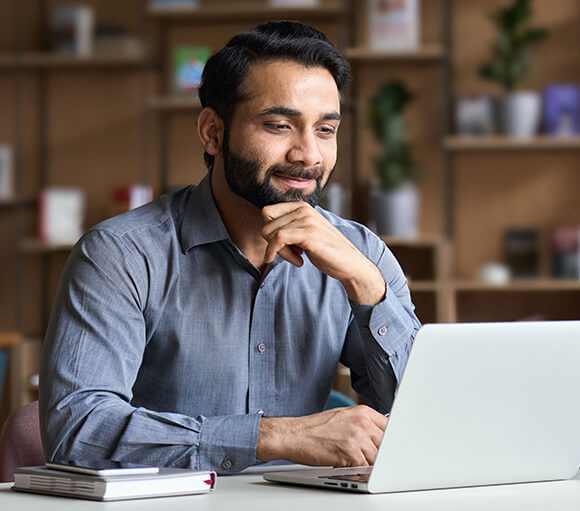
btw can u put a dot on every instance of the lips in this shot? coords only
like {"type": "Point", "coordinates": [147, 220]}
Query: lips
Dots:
{"type": "Point", "coordinates": [294, 182]}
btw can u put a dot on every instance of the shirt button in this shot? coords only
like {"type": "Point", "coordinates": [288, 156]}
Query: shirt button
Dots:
{"type": "Point", "coordinates": [262, 285]}
{"type": "Point", "coordinates": [382, 330]}
{"type": "Point", "coordinates": [261, 347]}
{"type": "Point", "coordinates": [227, 463]}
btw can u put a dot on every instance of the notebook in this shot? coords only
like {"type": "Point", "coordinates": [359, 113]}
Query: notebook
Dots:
{"type": "Point", "coordinates": [478, 404]}
{"type": "Point", "coordinates": [167, 482]}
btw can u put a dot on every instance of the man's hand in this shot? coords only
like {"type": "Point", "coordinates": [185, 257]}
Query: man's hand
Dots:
{"type": "Point", "coordinates": [295, 227]}
{"type": "Point", "coordinates": [342, 437]}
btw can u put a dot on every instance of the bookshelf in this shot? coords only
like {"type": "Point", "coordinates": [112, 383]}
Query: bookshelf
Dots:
{"type": "Point", "coordinates": [110, 120]}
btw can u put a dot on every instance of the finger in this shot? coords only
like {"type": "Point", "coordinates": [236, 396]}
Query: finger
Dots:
{"type": "Point", "coordinates": [376, 435]}
{"type": "Point", "coordinates": [292, 234]}
{"type": "Point", "coordinates": [369, 451]}
{"type": "Point", "coordinates": [275, 224]}
{"type": "Point", "coordinates": [282, 208]}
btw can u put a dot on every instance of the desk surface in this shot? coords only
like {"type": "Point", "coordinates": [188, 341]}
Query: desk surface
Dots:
{"type": "Point", "coordinates": [249, 491]}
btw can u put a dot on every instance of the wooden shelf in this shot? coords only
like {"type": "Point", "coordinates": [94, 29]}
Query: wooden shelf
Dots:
{"type": "Point", "coordinates": [503, 143]}
{"type": "Point", "coordinates": [428, 52]}
{"type": "Point", "coordinates": [48, 60]}
{"type": "Point", "coordinates": [426, 285]}
{"type": "Point", "coordinates": [37, 246]}
{"type": "Point", "coordinates": [519, 285]}
{"type": "Point", "coordinates": [174, 104]}
{"type": "Point", "coordinates": [423, 241]}
{"type": "Point", "coordinates": [17, 201]}
{"type": "Point", "coordinates": [10, 339]}
{"type": "Point", "coordinates": [217, 12]}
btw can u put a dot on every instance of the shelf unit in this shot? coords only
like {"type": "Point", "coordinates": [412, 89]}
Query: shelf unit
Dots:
{"type": "Point", "coordinates": [75, 117]}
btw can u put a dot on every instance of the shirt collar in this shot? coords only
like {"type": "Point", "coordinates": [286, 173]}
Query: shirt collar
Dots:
{"type": "Point", "coordinates": [202, 222]}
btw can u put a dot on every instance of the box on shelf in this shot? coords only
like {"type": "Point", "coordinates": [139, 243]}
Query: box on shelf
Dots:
{"type": "Point", "coordinates": [394, 24]}
{"type": "Point", "coordinates": [522, 252]}
{"type": "Point", "coordinates": [561, 110]}
{"type": "Point", "coordinates": [61, 214]}
{"type": "Point", "coordinates": [72, 29]}
{"type": "Point", "coordinates": [6, 172]}
{"type": "Point", "coordinates": [188, 64]}
{"type": "Point", "coordinates": [130, 197]}
{"type": "Point", "coordinates": [565, 249]}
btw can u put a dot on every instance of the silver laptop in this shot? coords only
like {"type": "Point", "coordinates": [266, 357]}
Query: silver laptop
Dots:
{"type": "Point", "coordinates": [478, 404]}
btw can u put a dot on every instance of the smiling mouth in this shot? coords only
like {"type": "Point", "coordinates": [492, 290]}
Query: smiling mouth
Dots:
{"type": "Point", "coordinates": [294, 182]}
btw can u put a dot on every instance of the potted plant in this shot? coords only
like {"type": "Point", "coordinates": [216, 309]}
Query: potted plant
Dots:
{"type": "Point", "coordinates": [396, 203]}
{"type": "Point", "coordinates": [509, 66]}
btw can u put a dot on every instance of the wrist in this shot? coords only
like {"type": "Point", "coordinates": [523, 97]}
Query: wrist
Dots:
{"type": "Point", "coordinates": [368, 287]}
{"type": "Point", "coordinates": [272, 438]}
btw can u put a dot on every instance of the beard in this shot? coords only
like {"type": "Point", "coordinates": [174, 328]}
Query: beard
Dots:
{"type": "Point", "coordinates": [242, 178]}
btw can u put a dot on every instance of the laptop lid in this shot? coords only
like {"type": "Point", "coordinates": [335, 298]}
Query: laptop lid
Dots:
{"type": "Point", "coordinates": [483, 404]}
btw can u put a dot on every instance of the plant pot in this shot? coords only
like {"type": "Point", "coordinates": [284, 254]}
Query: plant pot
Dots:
{"type": "Point", "coordinates": [397, 211]}
{"type": "Point", "coordinates": [520, 114]}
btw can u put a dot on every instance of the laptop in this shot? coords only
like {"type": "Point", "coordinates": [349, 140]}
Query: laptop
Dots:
{"type": "Point", "coordinates": [478, 404]}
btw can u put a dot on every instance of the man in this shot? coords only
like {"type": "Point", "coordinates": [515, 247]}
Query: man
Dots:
{"type": "Point", "coordinates": [204, 329]}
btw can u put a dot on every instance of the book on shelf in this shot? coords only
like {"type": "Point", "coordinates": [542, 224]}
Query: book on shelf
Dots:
{"type": "Point", "coordinates": [72, 29]}
{"type": "Point", "coordinates": [565, 249]}
{"type": "Point", "coordinates": [61, 214]}
{"type": "Point", "coordinates": [130, 197]}
{"type": "Point", "coordinates": [522, 252]}
{"type": "Point", "coordinates": [188, 64]}
{"type": "Point", "coordinates": [394, 24]}
{"type": "Point", "coordinates": [6, 172]}
{"type": "Point", "coordinates": [165, 483]}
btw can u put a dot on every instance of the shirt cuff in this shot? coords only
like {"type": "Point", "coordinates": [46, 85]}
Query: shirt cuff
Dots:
{"type": "Point", "coordinates": [228, 444]}
{"type": "Point", "coordinates": [386, 326]}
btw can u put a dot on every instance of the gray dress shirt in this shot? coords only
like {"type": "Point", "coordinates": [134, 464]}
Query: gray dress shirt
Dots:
{"type": "Point", "coordinates": [166, 346]}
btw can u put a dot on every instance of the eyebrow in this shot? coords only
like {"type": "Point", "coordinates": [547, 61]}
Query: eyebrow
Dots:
{"type": "Point", "coordinates": [290, 112]}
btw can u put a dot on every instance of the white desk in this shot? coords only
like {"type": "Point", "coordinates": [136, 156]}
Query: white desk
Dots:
{"type": "Point", "coordinates": [250, 492]}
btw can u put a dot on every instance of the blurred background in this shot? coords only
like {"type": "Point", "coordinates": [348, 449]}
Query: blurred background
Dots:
{"type": "Point", "coordinates": [460, 143]}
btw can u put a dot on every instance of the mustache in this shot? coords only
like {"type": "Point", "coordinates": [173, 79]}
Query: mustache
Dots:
{"type": "Point", "coordinates": [315, 173]}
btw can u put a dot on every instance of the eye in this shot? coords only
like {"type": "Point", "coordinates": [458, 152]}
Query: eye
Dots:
{"type": "Point", "coordinates": [327, 131]}
{"type": "Point", "coordinates": [276, 126]}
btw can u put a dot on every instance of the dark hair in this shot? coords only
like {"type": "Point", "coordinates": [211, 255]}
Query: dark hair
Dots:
{"type": "Point", "coordinates": [225, 71]}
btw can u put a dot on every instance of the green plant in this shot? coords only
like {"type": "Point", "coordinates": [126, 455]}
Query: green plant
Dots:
{"type": "Point", "coordinates": [394, 164]}
{"type": "Point", "coordinates": [512, 50]}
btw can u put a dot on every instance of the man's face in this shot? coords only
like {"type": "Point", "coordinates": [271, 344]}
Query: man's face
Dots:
{"type": "Point", "coordinates": [281, 143]}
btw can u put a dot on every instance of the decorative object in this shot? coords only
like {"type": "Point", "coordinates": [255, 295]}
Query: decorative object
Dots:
{"type": "Point", "coordinates": [561, 110]}
{"type": "Point", "coordinates": [474, 115]}
{"type": "Point", "coordinates": [522, 252]}
{"type": "Point", "coordinates": [188, 64]}
{"type": "Point", "coordinates": [397, 204]}
{"type": "Point", "coordinates": [394, 24]}
{"type": "Point", "coordinates": [72, 29]}
{"type": "Point", "coordinates": [509, 66]}
{"type": "Point", "coordinates": [565, 248]}
{"type": "Point", "coordinates": [494, 273]}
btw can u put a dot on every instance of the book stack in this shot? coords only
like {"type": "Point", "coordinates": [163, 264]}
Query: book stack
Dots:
{"type": "Point", "coordinates": [394, 24]}
{"type": "Point", "coordinates": [166, 482]}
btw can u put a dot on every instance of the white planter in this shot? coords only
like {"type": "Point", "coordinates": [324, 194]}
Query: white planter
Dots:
{"type": "Point", "coordinates": [520, 114]}
{"type": "Point", "coordinates": [397, 211]}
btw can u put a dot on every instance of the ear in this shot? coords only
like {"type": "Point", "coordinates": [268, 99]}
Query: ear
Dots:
{"type": "Point", "coordinates": [210, 129]}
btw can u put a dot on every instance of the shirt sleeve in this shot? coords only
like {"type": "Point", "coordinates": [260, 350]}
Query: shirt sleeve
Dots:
{"type": "Point", "coordinates": [91, 357]}
{"type": "Point", "coordinates": [380, 337]}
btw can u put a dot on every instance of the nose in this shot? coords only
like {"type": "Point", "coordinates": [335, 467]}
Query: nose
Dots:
{"type": "Point", "coordinates": [305, 150]}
